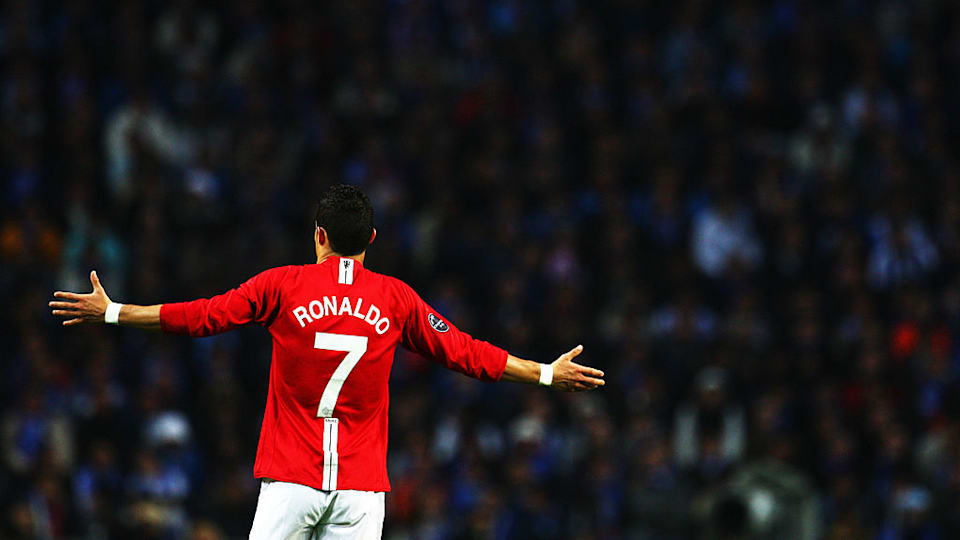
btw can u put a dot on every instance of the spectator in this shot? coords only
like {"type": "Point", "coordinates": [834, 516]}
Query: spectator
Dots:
{"type": "Point", "coordinates": [723, 237]}
{"type": "Point", "coordinates": [710, 432]}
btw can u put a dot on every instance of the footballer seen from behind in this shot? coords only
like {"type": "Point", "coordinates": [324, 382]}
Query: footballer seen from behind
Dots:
{"type": "Point", "coordinates": [335, 327]}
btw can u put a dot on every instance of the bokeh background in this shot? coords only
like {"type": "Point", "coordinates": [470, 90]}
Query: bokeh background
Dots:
{"type": "Point", "coordinates": [748, 212]}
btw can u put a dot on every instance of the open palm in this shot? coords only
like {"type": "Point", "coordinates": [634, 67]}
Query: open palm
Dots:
{"type": "Point", "coordinates": [79, 308]}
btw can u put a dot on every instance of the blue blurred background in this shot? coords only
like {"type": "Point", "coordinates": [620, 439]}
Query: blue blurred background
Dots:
{"type": "Point", "coordinates": [748, 212]}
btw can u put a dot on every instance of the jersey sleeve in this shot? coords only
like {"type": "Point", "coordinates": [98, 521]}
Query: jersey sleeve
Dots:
{"type": "Point", "coordinates": [425, 332]}
{"type": "Point", "coordinates": [255, 300]}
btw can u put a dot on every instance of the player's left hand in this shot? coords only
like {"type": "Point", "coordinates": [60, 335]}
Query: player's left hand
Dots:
{"type": "Point", "coordinates": [570, 376]}
{"type": "Point", "coordinates": [88, 308]}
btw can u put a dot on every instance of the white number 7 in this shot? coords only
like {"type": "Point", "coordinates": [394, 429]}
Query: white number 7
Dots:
{"type": "Point", "coordinates": [354, 346]}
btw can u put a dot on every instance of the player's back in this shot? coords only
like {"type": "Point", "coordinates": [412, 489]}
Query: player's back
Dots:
{"type": "Point", "coordinates": [335, 332]}
{"type": "Point", "coordinates": [335, 327]}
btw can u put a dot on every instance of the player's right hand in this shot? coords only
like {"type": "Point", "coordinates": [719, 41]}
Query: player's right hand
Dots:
{"type": "Point", "coordinates": [572, 377]}
{"type": "Point", "coordinates": [80, 308]}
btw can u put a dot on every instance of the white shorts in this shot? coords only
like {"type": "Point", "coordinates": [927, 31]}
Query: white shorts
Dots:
{"type": "Point", "coordinates": [294, 511]}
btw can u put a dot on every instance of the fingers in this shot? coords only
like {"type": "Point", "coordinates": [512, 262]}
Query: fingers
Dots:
{"type": "Point", "coordinates": [580, 385]}
{"type": "Point", "coordinates": [95, 281]}
{"type": "Point", "coordinates": [589, 371]}
{"type": "Point", "coordinates": [580, 377]}
{"type": "Point", "coordinates": [593, 382]}
{"type": "Point", "coordinates": [572, 353]}
{"type": "Point", "coordinates": [72, 310]}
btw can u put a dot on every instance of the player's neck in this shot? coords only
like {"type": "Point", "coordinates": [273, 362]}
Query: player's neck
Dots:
{"type": "Point", "coordinates": [326, 254]}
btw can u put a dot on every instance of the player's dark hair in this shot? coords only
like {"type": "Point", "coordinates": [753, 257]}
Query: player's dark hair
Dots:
{"type": "Point", "coordinates": [346, 214]}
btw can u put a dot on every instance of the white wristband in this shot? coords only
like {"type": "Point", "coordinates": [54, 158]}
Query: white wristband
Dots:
{"type": "Point", "coordinates": [546, 374]}
{"type": "Point", "coordinates": [112, 316]}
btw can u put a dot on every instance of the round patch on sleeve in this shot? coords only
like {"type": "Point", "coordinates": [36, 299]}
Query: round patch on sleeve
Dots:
{"type": "Point", "coordinates": [437, 323]}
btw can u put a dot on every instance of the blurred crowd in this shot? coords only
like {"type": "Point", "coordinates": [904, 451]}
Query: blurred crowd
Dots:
{"type": "Point", "coordinates": [748, 211]}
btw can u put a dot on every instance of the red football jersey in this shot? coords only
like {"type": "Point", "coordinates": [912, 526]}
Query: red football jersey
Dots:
{"type": "Point", "coordinates": [335, 327]}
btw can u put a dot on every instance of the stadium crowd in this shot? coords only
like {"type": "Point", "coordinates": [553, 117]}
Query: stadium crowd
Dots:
{"type": "Point", "coordinates": [747, 211]}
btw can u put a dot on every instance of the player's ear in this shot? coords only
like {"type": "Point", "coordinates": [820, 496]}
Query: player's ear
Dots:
{"type": "Point", "coordinates": [321, 236]}
{"type": "Point", "coordinates": [373, 235]}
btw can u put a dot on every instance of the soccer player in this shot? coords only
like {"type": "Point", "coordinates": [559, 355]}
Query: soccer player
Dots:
{"type": "Point", "coordinates": [335, 326]}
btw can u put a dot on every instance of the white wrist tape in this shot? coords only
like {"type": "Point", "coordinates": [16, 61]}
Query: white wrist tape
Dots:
{"type": "Point", "coordinates": [546, 374]}
{"type": "Point", "coordinates": [112, 316]}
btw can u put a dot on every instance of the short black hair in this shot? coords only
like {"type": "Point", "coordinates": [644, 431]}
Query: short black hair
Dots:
{"type": "Point", "coordinates": [346, 214]}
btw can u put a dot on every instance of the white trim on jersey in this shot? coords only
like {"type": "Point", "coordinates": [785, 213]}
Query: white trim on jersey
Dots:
{"type": "Point", "coordinates": [331, 460]}
{"type": "Point", "coordinates": [346, 271]}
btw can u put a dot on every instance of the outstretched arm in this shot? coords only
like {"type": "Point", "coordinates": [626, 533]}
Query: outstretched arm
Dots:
{"type": "Point", "coordinates": [91, 308]}
{"type": "Point", "coordinates": [427, 333]}
{"type": "Point", "coordinates": [255, 300]}
{"type": "Point", "coordinates": [563, 374]}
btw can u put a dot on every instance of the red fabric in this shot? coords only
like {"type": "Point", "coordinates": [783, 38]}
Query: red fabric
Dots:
{"type": "Point", "coordinates": [291, 438]}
